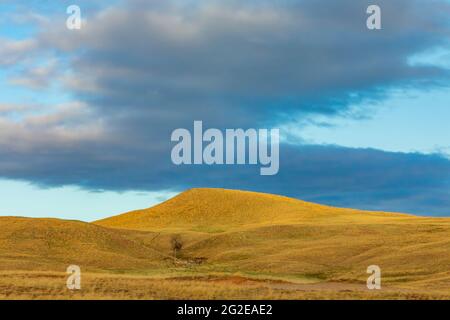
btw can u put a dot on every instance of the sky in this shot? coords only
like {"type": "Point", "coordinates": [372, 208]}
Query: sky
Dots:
{"type": "Point", "coordinates": [86, 115]}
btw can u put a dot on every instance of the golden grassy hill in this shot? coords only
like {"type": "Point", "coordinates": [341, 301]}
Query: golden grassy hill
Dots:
{"type": "Point", "coordinates": [43, 244]}
{"type": "Point", "coordinates": [215, 210]}
{"type": "Point", "coordinates": [235, 244]}
{"type": "Point", "coordinates": [253, 233]}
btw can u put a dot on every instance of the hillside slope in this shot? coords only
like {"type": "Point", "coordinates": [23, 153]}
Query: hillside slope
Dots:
{"type": "Point", "coordinates": [237, 231]}
{"type": "Point", "coordinates": [218, 210]}
{"type": "Point", "coordinates": [52, 244]}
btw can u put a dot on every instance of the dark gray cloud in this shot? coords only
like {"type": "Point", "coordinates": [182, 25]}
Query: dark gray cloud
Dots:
{"type": "Point", "coordinates": [363, 178]}
{"type": "Point", "coordinates": [263, 60]}
{"type": "Point", "coordinates": [144, 68]}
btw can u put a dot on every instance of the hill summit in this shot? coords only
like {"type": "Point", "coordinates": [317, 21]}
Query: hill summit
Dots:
{"type": "Point", "coordinates": [224, 210]}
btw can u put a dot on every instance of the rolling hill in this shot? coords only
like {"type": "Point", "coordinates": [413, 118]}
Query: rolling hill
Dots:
{"type": "Point", "coordinates": [226, 210]}
{"type": "Point", "coordinates": [243, 240]}
{"type": "Point", "coordinates": [273, 235]}
{"type": "Point", "coordinates": [51, 244]}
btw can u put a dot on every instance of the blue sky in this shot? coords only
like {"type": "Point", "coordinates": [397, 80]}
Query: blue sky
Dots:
{"type": "Point", "coordinates": [406, 121]}
{"type": "Point", "coordinates": [86, 115]}
{"type": "Point", "coordinates": [71, 202]}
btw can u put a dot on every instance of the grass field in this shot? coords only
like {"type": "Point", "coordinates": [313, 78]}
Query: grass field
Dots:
{"type": "Point", "coordinates": [51, 285]}
{"type": "Point", "coordinates": [231, 245]}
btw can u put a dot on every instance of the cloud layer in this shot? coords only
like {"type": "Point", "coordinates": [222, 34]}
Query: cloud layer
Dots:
{"type": "Point", "coordinates": [138, 70]}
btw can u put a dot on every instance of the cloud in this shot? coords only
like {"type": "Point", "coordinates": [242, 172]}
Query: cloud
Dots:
{"type": "Point", "coordinates": [363, 178]}
{"type": "Point", "coordinates": [10, 108]}
{"type": "Point", "coordinates": [13, 51]}
{"type": "Point", "coordinates": [142, 69]}
{"type": "Point", "coordinates": [37, 77]}
{"type": "Point", "coordinates": [233, 64]}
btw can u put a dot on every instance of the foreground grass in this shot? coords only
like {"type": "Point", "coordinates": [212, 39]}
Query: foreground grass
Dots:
{"type": "Point", "coordinates": [52, 285]}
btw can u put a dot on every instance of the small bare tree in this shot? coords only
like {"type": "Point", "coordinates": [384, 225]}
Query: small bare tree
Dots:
{"type": "Point", "coordinates": [177, 245]}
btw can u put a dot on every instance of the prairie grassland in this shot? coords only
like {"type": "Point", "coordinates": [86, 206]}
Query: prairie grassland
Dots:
{"type": "Point", "coordinates": [233, 245]}
{"type": "Point", "coordinates": [51, 285]}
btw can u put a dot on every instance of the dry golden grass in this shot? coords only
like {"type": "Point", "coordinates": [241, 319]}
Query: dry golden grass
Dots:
{"type": "Point", "coordinates": [51, 285]}
{"type": "Point", "coordinates": [236, 245]}
{"type": "Point", "coordinates": [50, 244]}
